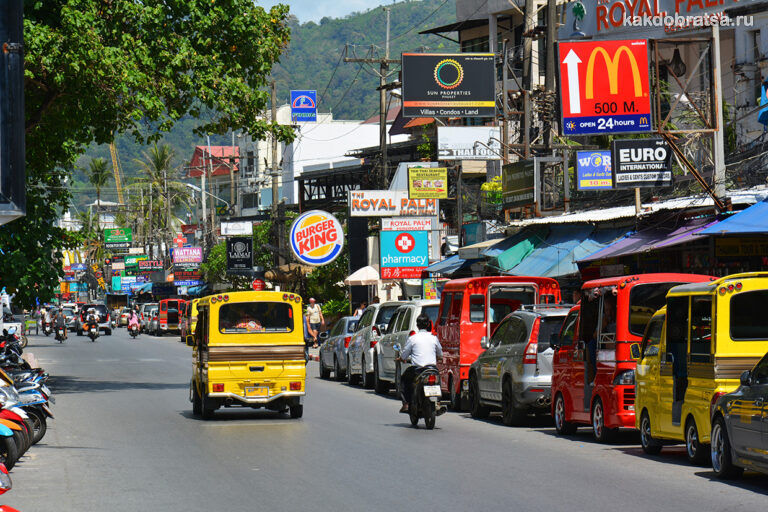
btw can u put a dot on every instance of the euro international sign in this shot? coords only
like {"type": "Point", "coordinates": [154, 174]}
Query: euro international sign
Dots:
{"type": "Point", "coordinates": [390, 203]}
{"type": "Point", "coordinates": [317, 238]}
{"type": "Point", "coordinates": [427, 183]}
{"type": "Point", "coordinates": [404, 254]}
{"type": "Point", "coordinates": [593, 170]}
{"type": "Point", "coordinates": [449, 85]}
{"type": "Point", "coordinates": [303, 106]}
{"type": "Point", "coordinates": [604, 87]}
{"type": "Point", "coordinates": [641, 163]}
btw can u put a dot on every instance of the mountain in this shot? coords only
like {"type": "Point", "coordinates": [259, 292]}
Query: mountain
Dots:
{"type": "Point", "coordinates": [313, 60]}
{"type": "Point", "coordinates": [314, 57]}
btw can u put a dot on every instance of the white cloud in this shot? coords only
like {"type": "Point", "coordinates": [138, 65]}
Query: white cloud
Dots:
{"type": "Point", "coordinates": [314, 10]}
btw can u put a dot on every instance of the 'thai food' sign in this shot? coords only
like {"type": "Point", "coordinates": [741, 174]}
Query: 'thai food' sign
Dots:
{"type": "Point", "coordinates": [317, 238]}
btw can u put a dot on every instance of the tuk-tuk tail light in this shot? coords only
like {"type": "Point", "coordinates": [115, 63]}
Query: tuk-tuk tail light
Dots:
{"type": "Point", "coordinates": [213, 300]}
{"type": "Point", "coordinates": [738, 287]}
{"type": "Point", "coordinates": [218, 388]}
{"type": "Point", "coordinates": [731, 287]}
{"type": "Point", "coordinates": [285, 296]}
{"type": "Point", "coordinates": [226, 298]}
{"type": "Point", "coordinates": [295, 386]}
{"type": "Point", "coordinates": [723, 290]}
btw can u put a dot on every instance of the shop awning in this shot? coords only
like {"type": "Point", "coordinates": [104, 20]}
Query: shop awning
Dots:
{"type": "Point", "coordinates": [652, 239]}
{"type": "Point", "coordinates": [450, 265]}
{"type": "Point", "coordinates": [518, 247]}
{"type": "Point", "coordinates": [557, 255]}
{"type": "Point", "coordinates": [753, 220]}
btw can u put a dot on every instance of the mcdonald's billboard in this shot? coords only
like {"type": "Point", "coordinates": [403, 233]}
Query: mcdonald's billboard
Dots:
{"type": "Point", "coordinates": [604, 87]}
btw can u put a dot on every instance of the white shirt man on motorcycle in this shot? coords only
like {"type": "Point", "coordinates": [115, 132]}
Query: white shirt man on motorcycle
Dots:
{"type": "Point", "coordinates": [423, 348]}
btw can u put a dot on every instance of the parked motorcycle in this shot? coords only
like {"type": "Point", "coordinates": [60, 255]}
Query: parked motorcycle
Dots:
{"type": "Point", "coordinates": [93, 332]}
{"type": "Point", "coordinates": [9, 453]}
{"type": "Point", "coordinates": [60, 336]}
{"type": "Point", "coordinates": [5, 486]}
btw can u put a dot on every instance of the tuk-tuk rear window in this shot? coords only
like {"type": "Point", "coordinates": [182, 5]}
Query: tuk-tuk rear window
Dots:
{"type": "Point", "coordinates": [748, 318]}
{"type": "Point", "coordinates": [644, 301]}
{"type": "Point", "coordinates": [255, 317]}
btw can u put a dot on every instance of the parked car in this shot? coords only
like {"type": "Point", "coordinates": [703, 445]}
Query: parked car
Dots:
{"type": "Point", "coordinates": [360, 354]}
{"type": "Point", "coordinates": [694, 351]}
{"type": "Point", "coordinates": [125, 315]}
{"type": "Point", "coordinates": [514, 373]}
{"type": "Point", "coordinates": [593, 373]}
{"type": "Point", "coordinates": [739, 437]}
{"type": "Point", "coordinates": [153, 325]}
{"type": "Point", "coordinates": [144, 317]}
{"type": "Point", "coordinates": [103, 318]}
{"type": "Point", "coordinates": [470, 310]}
{"type": "Point", "coordinates": [333, 351]}
{"type": "Point", "coordinates": [386, 372]}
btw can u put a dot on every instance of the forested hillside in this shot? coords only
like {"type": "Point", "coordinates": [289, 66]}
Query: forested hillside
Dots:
{"type": "Point", "coordinates": [312, 61]}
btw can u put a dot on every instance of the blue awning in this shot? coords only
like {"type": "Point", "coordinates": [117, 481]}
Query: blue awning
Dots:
{"type": "Point", "coordinates": [753, 220]}
{"type": "Point", "coordinates": [557, 255]}
{"type": "Point", "coordinates": [450, 265]}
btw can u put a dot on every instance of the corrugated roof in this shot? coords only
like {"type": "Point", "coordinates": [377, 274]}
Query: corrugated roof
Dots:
{"type": "Point", "coordinates": [222, 158]}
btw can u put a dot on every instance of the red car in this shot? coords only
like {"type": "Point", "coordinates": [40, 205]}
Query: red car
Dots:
{"type": "Point", "coordinates": [593, 374]}
{"type": "Point", "coordinates": [170, 314]}
{"type": "Point", "coordinates": [470, 309]}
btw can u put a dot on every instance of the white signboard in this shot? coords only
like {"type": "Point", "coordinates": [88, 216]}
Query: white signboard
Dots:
{"type": "Point", "coordinates": [118, 266]}
{"type": "Point", "coordinates": [135, 250]}
{"type": "Point", "coordinates": [237, 228]}
{"type": "Point", "coordinates": [406, 224]}
{"type": "Point", "coordinates": [468, 143]}
{"type": "Point", "coordinates": [390, 203]}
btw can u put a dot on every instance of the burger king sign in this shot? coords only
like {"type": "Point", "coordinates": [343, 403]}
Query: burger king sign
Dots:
{"type": "Point", "coordinates": [316, 238]}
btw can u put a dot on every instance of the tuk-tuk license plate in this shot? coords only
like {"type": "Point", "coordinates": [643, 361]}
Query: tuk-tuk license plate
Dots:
{"type": "Point", "coordinates": [432, 391]}
{"type": "Point", "coordinates": [258, 392]}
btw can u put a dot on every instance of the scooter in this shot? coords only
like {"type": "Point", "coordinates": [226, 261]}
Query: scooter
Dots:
{"type": "Point", "coordinates": [425, 399]}
{"type": "Point", "coordinates": [60, 336]}
{"type": "Point", "coordinates": [47, 329]}
{"type": "Point", "coordinates": [93, 332]}
{"type": "Point", "coordinates": [134, 331]}
{"type": "Point", "coordinates": [5, 486]}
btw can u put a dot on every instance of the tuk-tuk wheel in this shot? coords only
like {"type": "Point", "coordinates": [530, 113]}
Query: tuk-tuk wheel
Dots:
{"type": "Point", "coordinates": [207, 408]}
{"type": "Point", "coordinates": [297, 411]}
{"type": "Point", "coordinates": [197, 403]}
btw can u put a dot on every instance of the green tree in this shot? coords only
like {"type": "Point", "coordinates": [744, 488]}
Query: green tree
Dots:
{"type": "Point", "coordinates": [98, 67]}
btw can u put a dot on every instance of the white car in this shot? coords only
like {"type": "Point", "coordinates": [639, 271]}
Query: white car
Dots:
{"type": "Point", "coordinates": [360, 355]}
{"type": "Point", "coordinates": [386, 372]}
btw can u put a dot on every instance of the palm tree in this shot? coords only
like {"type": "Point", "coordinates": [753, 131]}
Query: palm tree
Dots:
{"type": "Point", "coordinates": [161, 191]}
{"type": "Point", "coordinates": [99, 175]}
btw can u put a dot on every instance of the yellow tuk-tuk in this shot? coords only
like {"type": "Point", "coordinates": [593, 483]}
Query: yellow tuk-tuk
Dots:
{"type": "Point", "coordinates": [694, 350]}
{"type": "Point", "coordinates": [248, 350]}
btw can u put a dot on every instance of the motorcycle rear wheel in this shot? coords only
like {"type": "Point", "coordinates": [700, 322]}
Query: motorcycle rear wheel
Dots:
{"type": "Point", "coordinates": [429, 416]}
{"type": "Point", "coordinates": [9, 452]}
{"type": "Point", "coordinates": [413, 411]}
{"type": "Point", "coordinates": [39, 424]}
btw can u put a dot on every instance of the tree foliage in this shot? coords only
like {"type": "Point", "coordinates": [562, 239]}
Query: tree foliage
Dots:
{"type": "Point", "coordinates": [98, 67]}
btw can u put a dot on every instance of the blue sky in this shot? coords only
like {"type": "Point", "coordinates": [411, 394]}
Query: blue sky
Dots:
{"type": "Point", "coordinates": [313, 10]}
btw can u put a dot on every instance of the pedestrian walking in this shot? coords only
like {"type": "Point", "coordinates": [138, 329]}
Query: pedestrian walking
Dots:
{"type": "Point", "coordinates": [359, 311]}
{"type": "Point", "coordinates": [314, 320]}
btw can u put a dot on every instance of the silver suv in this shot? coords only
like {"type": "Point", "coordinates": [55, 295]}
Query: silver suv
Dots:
{"type": "Point", "coordinates": [514, 373]}
{"type": "Point", "coordinates": [370, 327]}
{"type": "Point", "coordinates": [403, 323]}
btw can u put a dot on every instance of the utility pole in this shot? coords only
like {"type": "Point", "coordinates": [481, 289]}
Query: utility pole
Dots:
{"type": "Point", "coordinates": [213, 206]}
{"type": "Point", "coordinates": [459, 203]}
{"type": "Point", "coordinates": [550, 76]}
{"type": "Point", "coordinates": [204, 209]}
{"type": "Point", "coordinates": [277, 221]}
{"type": "Point", "coordinates": [530, 21]}
{"type": "Point", "coordinates": [383, 75]}
{"type": "Point", "coordinates": [232, 174]}
{"type": "Point", "coordinates": [505, 104]}
{"type": "Point", "coordinates": [718, 143]}
{"type": "Point", "coordinates": [151, 207]}
{"type": "Point", "coordinates": [168, 228]}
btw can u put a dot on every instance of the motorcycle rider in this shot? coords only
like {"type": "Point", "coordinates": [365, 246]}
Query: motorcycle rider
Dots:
{"type": "Point", "coordinates": [133, 320]}
{"type": "Point", "coordinates": [92, 319]}
{"type": "Point", "coordinates": [424, 350]}
{"type": "Point", "coordinates": [60, 321]}
{"type": "Point", "coordinates": [46, 317]}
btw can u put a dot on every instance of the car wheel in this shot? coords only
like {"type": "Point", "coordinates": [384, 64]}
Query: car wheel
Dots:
{"type": "Point", "coordinates": [325, 373]}
{"type": "Point", "coordinates": [601, 433]}
{"type": "Point", "coordinates": [351, 378]}
{"type": "Point", "coordinates": [477, 410]}
{"type": "Point", "coordinates": [650, 445]}
{"type": "Point", "coordinates": [563, 427]}
{"type": "Point", "coordinates": [722, 463]}
{"type": "Point", "coordinates": [366, 377]}
{"type": "Point", "coordinates": [511, 415]}
{"type": "Point", "coordinates": [379, 386]}
{"type": "Point", "coordinates": [455, 394]}
{"type": "Point", "coordinates": [337, 373]}
{"type": "Point", "coordinates": [297, 411]}
{"type": "Point", "coordinates": [696, 451]}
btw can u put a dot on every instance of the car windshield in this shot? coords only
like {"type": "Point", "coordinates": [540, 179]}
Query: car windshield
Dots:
{"type": "Point", "coordinates": [68, 312]}
{"type": "Point", "coordinates": [255, 317]}
{"type": "Point", "coordinates": [644, 301]}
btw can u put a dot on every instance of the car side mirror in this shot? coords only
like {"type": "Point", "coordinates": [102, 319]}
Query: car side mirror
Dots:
{"type": "Point", "coordinates": [554, 341]}
{"type": "Point", "coordinates": [634, 351]}
{"type": "Point", "coordinates": [484, 342]}
{"type": "Point", "coordinates": [746, 378]}
{"type": "Point", "coordinates": [190, 340]}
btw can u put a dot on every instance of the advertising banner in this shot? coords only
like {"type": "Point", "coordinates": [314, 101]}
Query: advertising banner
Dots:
{"type": "Point", "coordinates": [593, 170]}
{"type": "Point", "coordinates": [517, 181]}
{"type": "Point", "coordinates": [468, 143]}
{"type": "Point", "coordinates": [118, 265]}
{"type": "Point", "coordinates": [303, 106]}
{"type": "Point", "coordinates": [641, 163]}
{"type": "Point", "coordinates": [118, 235]}
{"type": "Point", "coordinates": [185, 255]}
{"type": "Point", "coordinates": [449, 85]}
{"type": "Point", "coordinates": [146, 265]}
{"type": "Point", "coordinates": [75, 267]}
{"type": "Point", "coordinates": [404, 254]}
{"type": "Point", "coordinates": [133, 260]}
{"type": "Point", "coordinates": [604, 87]}
{"type": "Point", "coordinates": [239, 253]}
{"type": "Point", "coordinates": [237, 228]}
{"type": "Point", "coordinates": [187, 278]}
{"type": "Point", "coordinates": [316, 238]}
{"type": "Point", "coordinates": [428, 183]}
{"type": "Point", "coordinates": [390, 203]}
{"type": "Point", "coordinates": [406, 224]}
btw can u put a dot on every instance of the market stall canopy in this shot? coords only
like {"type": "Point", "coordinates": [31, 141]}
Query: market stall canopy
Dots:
{"type": "Point", "coordinates": [652, 239]}
{"type": "Point", "coordinates": [363, 277]}
{"type": "Point", "coordinates": [516, 248]}
{"type": "Point", "coordinates": [753, 220]}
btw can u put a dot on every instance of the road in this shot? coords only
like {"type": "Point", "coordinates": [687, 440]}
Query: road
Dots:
{"type": "Point", "coordinates": [124, 439]}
